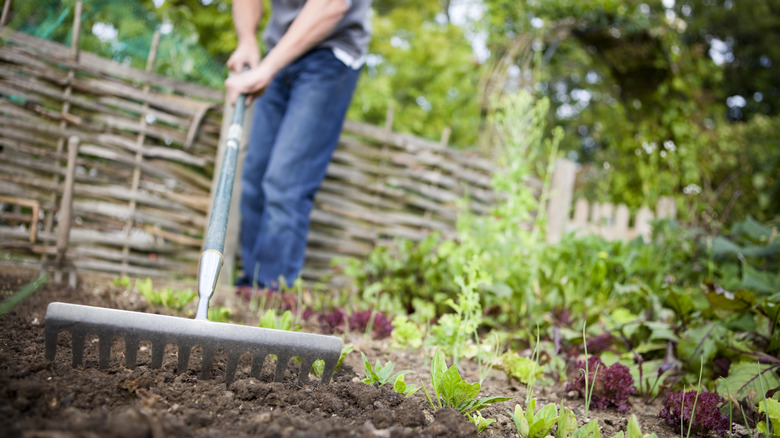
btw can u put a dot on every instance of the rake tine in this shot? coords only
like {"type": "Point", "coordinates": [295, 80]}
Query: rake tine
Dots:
{"type": "Point", "coordinates": [158, 349]}
{"type": "Point", "coordinates": [232, 364]}
{"type": "Point", "coordinates": [208, 362]}
{"type": "Point", "coordinates": [281, 367]}
{"type": "Point", "coordinates": [77, 341]}
{"type": "Point", "coordinates": [330, 368]}
{"type": "Point", "coordinates": [184, 357]}
{"type": "Point", "coordinates": [257, 364]}
{"type": "Point", "coordinates": [131, 351]}
{"type": "Point", "coordinates": [104, 351]}
{"type": "Point", "coordinates": [306, 364]}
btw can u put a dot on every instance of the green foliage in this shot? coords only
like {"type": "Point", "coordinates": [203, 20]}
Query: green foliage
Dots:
{"type": "Point", "coordinates": [406, 271]}
{"type": "Point", "coordinates": [400, 386]}
{"type": "Point", "coordinates": [535, 424]}
{"type": "Point", "coordinates": [450, 390]}
{"type": "Point", "coordinates": [123, 282]}
{"type": "Point", "coordinates": [183, 53]}
{"type": "Point", "coordinates": [170, 298]}
{"type": "Point", "coordinates": [318, 367]}
{"type": "Point", "coordinates": [406, 334]}
{"type": "Point", "coordinates": [771, 410]}
{"type": "Point", "coordinates": [423, 68]}
{"type": "Point", "coordinates": [521, 368]}
{"type": "Point", "coordinates": [481, 422]}
{"type": "Point", "coordinates": [17, 297]}
{"type": "Point", "coordinates": [633, 430]}
{"type": "Point", "coordinates": [749, 377]}
{"type": "Point", "coordinates": [381, 375]}
{"type": "Point", "coordinates": [273, 320]}
{"type": "Point", "coordinates": [220, 314]}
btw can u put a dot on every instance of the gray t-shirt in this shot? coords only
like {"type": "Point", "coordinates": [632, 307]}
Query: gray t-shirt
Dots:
{"type": "Point", "coordinates": [349, 40]}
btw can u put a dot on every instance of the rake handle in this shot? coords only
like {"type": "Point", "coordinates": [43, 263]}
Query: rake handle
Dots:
{"type": "Point", "coordinates": [211, 259]}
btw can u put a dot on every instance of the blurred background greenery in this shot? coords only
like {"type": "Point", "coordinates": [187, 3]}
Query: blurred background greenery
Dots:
{"type": "Point", "coordinates": [656, 98]}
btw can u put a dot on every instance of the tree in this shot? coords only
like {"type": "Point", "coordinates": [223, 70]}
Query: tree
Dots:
{"type": "Point", "coordinates": [422, 66]}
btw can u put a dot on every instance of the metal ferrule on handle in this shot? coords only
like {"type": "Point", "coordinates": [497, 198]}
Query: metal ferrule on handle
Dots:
{"type": "Point", "coordinates": [211, 259]}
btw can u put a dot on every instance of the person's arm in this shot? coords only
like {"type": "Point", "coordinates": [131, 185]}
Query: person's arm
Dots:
{"type": "Point", "coordinates": [315, 21]}
{"type": "Point", "coordinates": [246, 19]}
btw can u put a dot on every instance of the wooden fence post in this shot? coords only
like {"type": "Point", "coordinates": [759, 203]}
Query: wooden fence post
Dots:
{"type": "Point", "coordinates": [561, 194]}
{"type": "Point", "coordinates": [61, 264]}
{"type": "Point", "coordinates": [74, 56]}
{"type": "Point", "coordinates": [139, 156]}
{"type": "Point", "coordinates": [666, 208]}
{"type": "Point", "coordinates": [620, 227]}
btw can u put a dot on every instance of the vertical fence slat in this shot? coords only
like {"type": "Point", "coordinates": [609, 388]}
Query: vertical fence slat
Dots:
{"type": "Point", "coordinates": [561, 194]}
{"type": "Point", "coordinates": [139, 156]}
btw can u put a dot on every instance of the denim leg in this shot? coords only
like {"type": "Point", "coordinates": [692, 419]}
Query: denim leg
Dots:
{"type": "Point", "coordinates": [320, 89]}
{"type": "Point", "coordinates": [268, 112]}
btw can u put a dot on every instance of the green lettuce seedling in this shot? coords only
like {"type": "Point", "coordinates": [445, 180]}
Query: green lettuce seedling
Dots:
{"type": "Point", "coordinates": [450, 390]}
{"type": "Point", "coordinates": [271, 320]}
{"type": "Point", "coordinates": [382, 375]}
{"type": "Point", "coordinates": [318, 367]}
{"type": "Point", "coordinates": [771, 426]}
{"type": "Point", "coordinates": [401, 387]}
{"type": "Point", "coordinates": [532, 424]}
{"type": "Point", "coordinates": [481, 422]}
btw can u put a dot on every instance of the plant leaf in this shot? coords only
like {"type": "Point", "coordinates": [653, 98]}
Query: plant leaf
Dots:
{"type": "Point", "coordinates": [521, 423]}
{"type": "Point", "coordinates": [544, 420]}
{"type": "Point", "coordinates": [589, 430]}
{"type": "Point", "coordinates": [744, 377]}
{"type": "Point", "coordinates": [438, 368]}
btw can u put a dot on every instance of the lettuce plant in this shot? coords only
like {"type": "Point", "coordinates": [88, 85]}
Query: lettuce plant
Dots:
{"type": "Point", "coordinates": [382, 375]}
{"type": "Point", "coordinates": [450, 390]}
{"type": "Point", "coordinates": [535, 424]}
{"type": "Point", "coordinates": [679, 411]}
{"type": "Point", "coordinates": [406, 334]}
{"type": "Point", "coordinates": [481, 422]}
{"type": "Point", "coordinates": [611, 385]}
{"type": "Point", "coordinates": [770, 426]}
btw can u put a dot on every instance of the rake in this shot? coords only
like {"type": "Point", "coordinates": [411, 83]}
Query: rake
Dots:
{"type": "Point", "coordinates": [160, 330]}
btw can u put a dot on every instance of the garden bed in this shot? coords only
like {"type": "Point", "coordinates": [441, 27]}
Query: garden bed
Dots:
{"type": "Point", "coordinates": [41, 398]}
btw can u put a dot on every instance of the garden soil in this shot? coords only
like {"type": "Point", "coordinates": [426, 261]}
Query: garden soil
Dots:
{"type": "Point", "coordinates": [39, 398]}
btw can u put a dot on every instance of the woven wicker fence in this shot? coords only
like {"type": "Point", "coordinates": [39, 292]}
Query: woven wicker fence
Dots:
{"type": "Point", "coordinates": [133, 196]}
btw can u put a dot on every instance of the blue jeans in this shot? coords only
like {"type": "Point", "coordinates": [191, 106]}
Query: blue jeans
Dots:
{"type": "Point", "coordinates": [296, 127]}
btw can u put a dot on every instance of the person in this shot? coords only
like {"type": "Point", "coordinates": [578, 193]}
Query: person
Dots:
{"type": "Point", "coordinates": [303, 86]}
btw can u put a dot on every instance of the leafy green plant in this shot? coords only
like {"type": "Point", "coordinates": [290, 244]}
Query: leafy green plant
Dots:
{"type": "Point", "coordinates": [535, 424]}
{"type": "Point", "coordinates": [17, 297]}
{"type": "Point", "coordinates": [123, 281]}
{"type": "Point", "coordinates": [406, 334]}
{"type": "Point", "coordinates": [318, 367]}
{"type": "Point", "coordinates": [380, 375]}
{"type": "Point", "coordinates": [524, 369]}
{"type": "Point", "coordinates": [770, 426]}
{"type": "Point", "coordinates": [273, 320]}
{"type": "Point", "coordinates": [450, 390]}
{"type": "Point", "coordinates": [481, 422]}
{"type": "Point", "coordinates": [400, 386]}
{"type": "Point", "coordinates": [220, 314]}
{"type": "Point", "coordinates": [455, 330]}
{"type": "Point", "coordinates": [633, 430]}
{"type": "Point", "coordinates": [170, 298]}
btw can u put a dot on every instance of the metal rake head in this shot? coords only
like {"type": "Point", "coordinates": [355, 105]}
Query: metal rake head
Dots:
{"type": "Point", "coordinates": [161, 330]}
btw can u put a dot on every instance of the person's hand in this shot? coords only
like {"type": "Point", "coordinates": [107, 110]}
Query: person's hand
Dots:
{"type": "Point", "coordinates": [252, 83]}
{"type": "Point", "coordinates": [246, 54]}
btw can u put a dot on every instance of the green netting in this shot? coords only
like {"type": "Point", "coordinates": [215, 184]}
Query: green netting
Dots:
{"type": "Point", "coordinates": [123, 31]}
